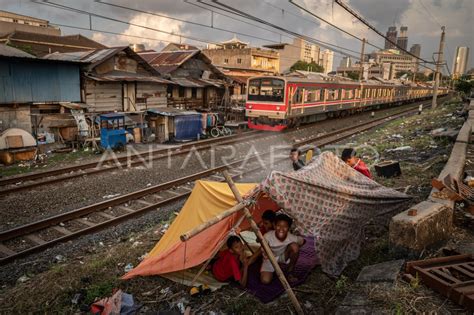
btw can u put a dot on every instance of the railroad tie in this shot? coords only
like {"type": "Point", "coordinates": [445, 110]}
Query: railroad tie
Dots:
{"type": "Point", "coordinates": [35, 239]}
{"type": "Point", "coordinates": [85, 222]}
{"type": "Point", "coordinates": [7, 251]}
{"type": "Point", "coordinates": [61, 230]}
{"type": "Point", "coordinates": [145, 203]}
{"type": "Point", "coordinates": [126, 209]}
{"type": "Point", "coordinates": [106, 215]}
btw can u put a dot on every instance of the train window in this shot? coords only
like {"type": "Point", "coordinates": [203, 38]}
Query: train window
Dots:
{"type": "Point", "coordinates": [266, 89]}
{"type": "Point", "coordinates": [312, 95]}
{"type": "Point", "coordinates": [298, 96]}
{"type": "Point", "coordinates": [332, 95]}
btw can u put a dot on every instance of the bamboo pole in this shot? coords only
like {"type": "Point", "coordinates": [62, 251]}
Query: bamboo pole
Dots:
{"type": "Point", "coordinates": [212, 221]}
{"type": "Point", "coordinates": [265, 245]}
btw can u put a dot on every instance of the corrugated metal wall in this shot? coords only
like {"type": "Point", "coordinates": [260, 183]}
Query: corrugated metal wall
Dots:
{"type": "Point", "coordinates": [154, 93]}
{"type": "Point", "coordinates": [103, 96]}
{"type": "Point", "coordinates": [31, 81]}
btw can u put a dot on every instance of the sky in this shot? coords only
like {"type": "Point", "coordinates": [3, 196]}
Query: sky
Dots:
{"type": "Point", "coordinates": [197, 25]}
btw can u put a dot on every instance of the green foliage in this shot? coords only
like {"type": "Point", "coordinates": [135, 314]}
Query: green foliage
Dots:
{"type": "Point", "coordinates": [341, 284]}
{"type": "Point", "coordinates": [307, 66]}
{"type": "Point", "coordinates": [464, 86]}
{"type": "Point", "coordinates": [352, 75]}
{"type": "Point", "coordinates": [99, 290]}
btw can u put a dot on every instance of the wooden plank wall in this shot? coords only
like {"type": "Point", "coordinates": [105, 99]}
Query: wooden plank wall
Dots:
{"type": "Point", "coordinates": [103, 96]}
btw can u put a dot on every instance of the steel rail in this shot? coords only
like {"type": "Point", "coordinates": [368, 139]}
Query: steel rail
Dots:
{"type": "Point", "coordinates": [43, 224]}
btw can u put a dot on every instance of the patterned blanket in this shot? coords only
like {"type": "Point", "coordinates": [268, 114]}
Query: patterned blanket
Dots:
{"type": "Point", "coordinates": [332, 202]}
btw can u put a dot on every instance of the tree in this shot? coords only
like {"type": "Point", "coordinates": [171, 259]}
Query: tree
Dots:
{"type": "Point", "coordinates": [354, 75]}
{"type": "Point", "coordinates": [307, 66]}
{"type": "Point", "coordinates": [464, 86]}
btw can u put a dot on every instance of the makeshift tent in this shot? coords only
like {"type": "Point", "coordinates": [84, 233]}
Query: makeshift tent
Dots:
{"type": "Point", "coordinates": [327, 199]}
{"type": "Point", "coordinates": [207, 200]}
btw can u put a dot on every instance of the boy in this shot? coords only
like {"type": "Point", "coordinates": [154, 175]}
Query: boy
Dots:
{"type": "Point", "coordinates": [295, 158]}
{"type": "Point", "coordinates": [349, 157]}
{"type": "Point", "coordinates": [285, 247]}
{"type": "Point", "coordinates": [232, 264]}
{"type": "Point", "coordinates": [268, 218]}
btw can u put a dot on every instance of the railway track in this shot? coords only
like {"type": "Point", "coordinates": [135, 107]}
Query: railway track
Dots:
{"type": "Point", "coordinates": [27, 239]}
{"type": "Point", "coordinates": [29, 181]}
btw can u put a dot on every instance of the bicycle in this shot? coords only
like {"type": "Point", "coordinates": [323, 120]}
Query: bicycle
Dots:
{"type": "Point", "coordinates": [220, 131]}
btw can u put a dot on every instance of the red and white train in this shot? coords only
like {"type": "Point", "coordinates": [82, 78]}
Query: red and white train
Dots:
{"type": "Point", "coordinates": [276, 102]}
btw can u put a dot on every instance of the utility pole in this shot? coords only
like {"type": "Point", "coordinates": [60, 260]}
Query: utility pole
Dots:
{"type": "Point", "coordinates": [362, 60]}
{"type": "Point", "coordinates": [437, 73]}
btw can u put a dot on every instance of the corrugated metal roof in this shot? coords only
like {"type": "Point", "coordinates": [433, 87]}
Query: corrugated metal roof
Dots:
{"type": "Point", "coordinates": [168, 61]}
{"type": "Point", "coordinates": [126, 76]}
{"type": "Point", "coordinates": [7, 51]}
{"type": "Point", "coordinates": [170, 111]}
{"type": "Point", "coordinates": [88, 56]}
{"type": "Point", "coordinates": [70, 40]}
{"type": "Point", "coordinates": [192, 82]}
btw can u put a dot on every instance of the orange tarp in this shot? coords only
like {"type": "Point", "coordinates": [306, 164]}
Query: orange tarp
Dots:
{"type": "Point", "coordinates": [207, 200]}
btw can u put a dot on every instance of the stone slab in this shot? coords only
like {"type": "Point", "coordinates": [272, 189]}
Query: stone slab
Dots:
{"type": "Point", "coordinates": [432, 224]}
{"type": "Point", "coordinates": [383, 272]}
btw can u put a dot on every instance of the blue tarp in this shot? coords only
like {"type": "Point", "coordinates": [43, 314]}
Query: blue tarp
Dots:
{"type": "Point", "coordinates": [187, 127]}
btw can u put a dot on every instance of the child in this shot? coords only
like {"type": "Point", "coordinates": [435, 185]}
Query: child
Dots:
{"type": "Point", "coordinates": [349, 156]}
{"type": "Point", "coordinates": [268, 218]}
{"type": "Point", "coordinates": [295, 158]}
{"type": "Point", "coordinates": [285, 247]}
{"type": "Point", "coordinates": [232, 264]}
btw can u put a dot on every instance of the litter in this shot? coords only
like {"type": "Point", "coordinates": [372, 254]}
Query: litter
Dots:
{"type": "Point", "coordinates": [110, 196]}
{"type": "Point", "coordinates": [128, 267]}
{"type": "Point", "coordinates": [404, 148]}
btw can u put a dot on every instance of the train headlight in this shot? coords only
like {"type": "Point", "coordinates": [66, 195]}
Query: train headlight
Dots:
{"type": "Point", "coordinates": [250, 106]}
{"type": "Point", "coordinates": [278, 107]}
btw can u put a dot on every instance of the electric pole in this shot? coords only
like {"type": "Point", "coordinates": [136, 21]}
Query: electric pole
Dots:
{"type": "Point", "coordinates": [362, 60]}
{"type": "Point", "coordinates": [437, 73]}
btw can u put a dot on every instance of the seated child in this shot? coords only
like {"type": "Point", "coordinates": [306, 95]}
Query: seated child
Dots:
{"type": "Point", "coordinates": [268, 218]}
{"type": "Point", "coordinates": [232, 264]}
{"type": "Point", "coordinates": [285, 247]}
{"type": "Point", "coordinates": [349, 156]}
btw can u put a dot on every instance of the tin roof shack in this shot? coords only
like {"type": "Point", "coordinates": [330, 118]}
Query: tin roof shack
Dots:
{"type": "Point", "coordinates": [199, 84]}
{"type": "Point", "coordinates": [169, 124]}
{"type": "Point", "coordinates": [31, 86]}
{"type": "Point", "coordinates": [40, 45]}
{"type": "Point", "coordinates": [117, 79]}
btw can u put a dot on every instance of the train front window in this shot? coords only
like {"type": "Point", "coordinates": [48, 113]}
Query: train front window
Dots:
{"type": "Point", "coordinates": [266, 90]}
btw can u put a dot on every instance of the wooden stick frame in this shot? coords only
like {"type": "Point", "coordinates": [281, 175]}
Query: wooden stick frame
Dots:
{"type": "Point", "coordinates": [265, 245]}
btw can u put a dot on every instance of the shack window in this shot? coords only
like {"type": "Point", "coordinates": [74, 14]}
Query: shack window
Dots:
{"type": "Point", "coordinates": [226, 61]}
{"type": "Point", "coordinates": [194, 92]}
{"type": "Point", "coordinates": [239, 60]}
{"type": "Point", "coordinates": [181, 91]}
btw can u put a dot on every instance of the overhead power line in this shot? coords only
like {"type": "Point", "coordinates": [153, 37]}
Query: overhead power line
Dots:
{"type": "Point", "coordinates": [332, 24]}
{"type": "Point", "coordinates": [362, 19]}
{"type": "Point", "coordinates": [227, 8]}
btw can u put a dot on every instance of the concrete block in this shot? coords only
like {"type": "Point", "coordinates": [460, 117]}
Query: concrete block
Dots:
{"type": "Point", "coordinates": [432, 224]}
{"type": "Point", "coordinates": [383, 272]}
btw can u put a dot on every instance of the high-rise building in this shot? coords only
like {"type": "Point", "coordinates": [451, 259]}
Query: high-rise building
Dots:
{"type": "Point", "coordinates": [345, 62]}
{"type": "Point", "coordinates": [392, 36]}
{"type": "Point", "coordinates": [291, 53]}
{"type": "Point", "coordinates": [460, 61]}
{"type": "Point", "coordinates": [326, 60]}
{"type": "Point", "coordinates": [402, 40]}
{"type": "Point", "coordinates": [415, 49]}
{"type": "Point", "coordinates": [12, 22]}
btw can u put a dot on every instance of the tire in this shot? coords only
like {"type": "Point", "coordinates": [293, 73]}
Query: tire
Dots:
{"type": "Point", "coordinates": [227, 131]}
{"type": "Point", "coordinates": [215, 132]}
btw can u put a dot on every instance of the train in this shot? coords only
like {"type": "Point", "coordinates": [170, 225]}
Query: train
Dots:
{"type": "Point", "coordinates": [275, 103]}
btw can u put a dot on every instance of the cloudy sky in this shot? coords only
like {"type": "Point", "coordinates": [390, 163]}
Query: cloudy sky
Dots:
{"type": "Point", "coordinates": [197, 25]}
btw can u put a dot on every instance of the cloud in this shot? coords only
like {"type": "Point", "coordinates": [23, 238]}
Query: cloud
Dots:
{"type": "Point", "coordinates": [151, 38]}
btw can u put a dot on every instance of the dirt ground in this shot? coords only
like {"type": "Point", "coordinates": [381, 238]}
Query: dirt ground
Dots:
{"type": "Point", "coordinates": [95, 274]}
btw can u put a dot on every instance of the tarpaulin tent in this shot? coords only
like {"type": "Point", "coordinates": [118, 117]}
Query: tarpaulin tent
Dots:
{"type": "Point", "coordinates": [327, 199]}
{"type": "Point", "coordinates": [207, 200]}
